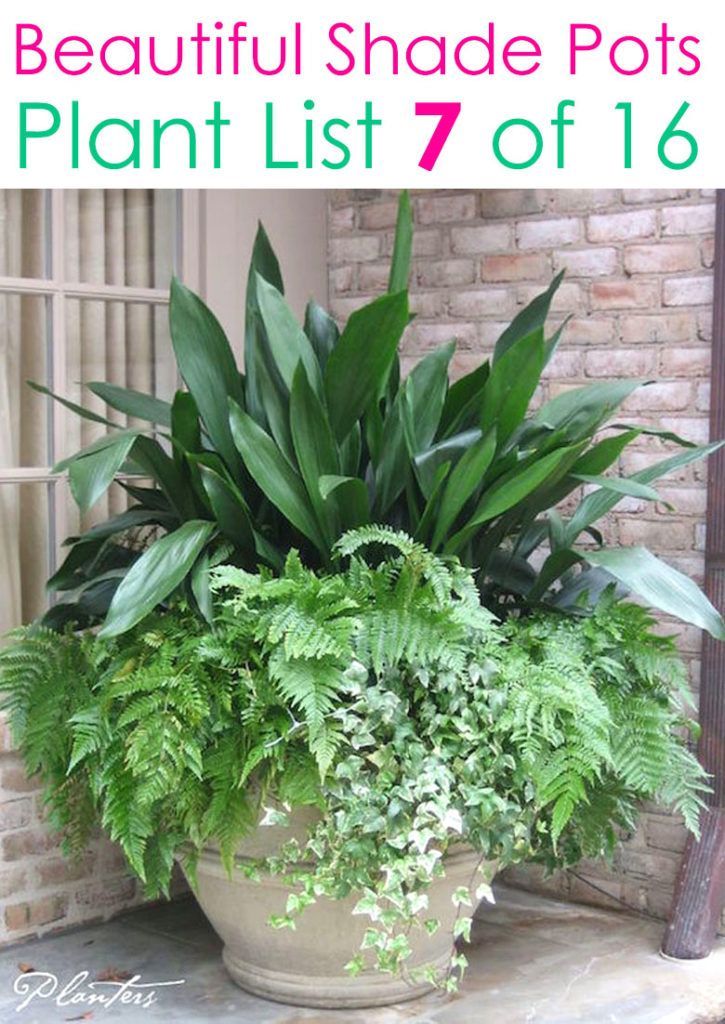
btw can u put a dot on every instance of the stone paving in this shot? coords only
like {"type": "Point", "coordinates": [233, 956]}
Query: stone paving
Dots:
{"type": "Point", "coordinates": [533, 961]}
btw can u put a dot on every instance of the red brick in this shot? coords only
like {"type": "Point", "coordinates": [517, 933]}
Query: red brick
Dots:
{"type": "Point", "coordinates": [341, 218]}
{"type": "Point", "coordinates": [652, 195]}
{"type": "Point", "coordinates": [665, 328]}
{"type": "Point", "coordinates": [378, 215]}
{"type": "Point", "coordinates": [13, 881]}
{"type": "Point", "coordinates": [342, 279]}
{"type": "Point", "coordinates": [482, 302]}
{"type": "Point", "coordinates": [660, 258]}
{"type": "Point", "coordinates": [620, 227]}
{"type": "Point", "coordinates": [620, 362]}
{"type": "Point", "coordinates": [589, 331]}
{"type": "Point", "coordinates": [687, 291]}
{"type": "Point", "coordinates": [688, 220]}
{"type": "Point", "coordinates": [59, 870]}
{"type": "Point", "coordinates": [708, 253]}
{"type": "Point", "coordinates": [669, 396]}
{"type": "Point", "coordinates": [656, 534]}
{"type": "Point", "coordinates": [569, 298]}
{"type": "Point", "coordinates": [426, 304]}
{"type": "Point", "coordinates": [21, 917]}
{"type": "Point", "coordinates": [624, 295]}
{"type": "Point", "coordinates": [373, 277]}
{"type": "Point", "coordinates": [685, 500]}
{"type": "Point", "coordinates": [685, 361]}
{"type": "Point", "coordinates": [432, 209]}
{"type": "Point", "coordinates": [355, 249]}
{"type": "Point", "coordinates": [481, 239]}
{"type": "Point", "coordinates": [587, 262]}
{"type": "Point", "coordinates": [544, 234]}
{"type": "Point", "coordinates": [28, 843]}
{"type": "Point", "coordinates": [516, 267]}
{"type": "Point", "coordinates": [510, 202]}
{"type": "Point", "coordinates": [15, 814]}
{"type": "Point", "coordinates": [422, 337]}
{"type": "Point", "coordinates": [441, 273]}
{"type": "Point", "coordinates": [581, 200]}
{"type": "Point", "coordinates": [6, 739]}
{"type": "Point", "coordinates": [109, 894]}
{"type": "Point", "coordinates": [566, 363]}
{"type": "Point", "coordinates": [14, 778]}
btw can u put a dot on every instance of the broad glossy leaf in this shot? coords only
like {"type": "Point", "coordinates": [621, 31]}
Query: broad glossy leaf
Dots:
{"type": "Point", "coordinates": [207, 366]}
{"type": "Point", "coordinates": [429, 518]}
{"type": "Point", "coordinates": [150, 497]}
{"type": "Point", "coordinates": [449, 450]}
{"type": "Point", "coordinates": [264, 260]}
{"type": "Point", "coordinates": [579, 412]}
{"type": "Point", "coordinates": [531, 318]}
{"type": "Point", "coordinates": [156, 574]}
{"type": "Point", "coordinates": [229, 509]}
{"type": "Point", "coordinates": [621, 485]}
{"type": "Point", "coordinates": [462, 408]}
{"type": "Point", "coordinates": [106, 441]}
{"type": "Point", "coordinates": [322, 331]}
{"type": "Point", "coordinates": [604, 453]}
{"type": "Point", "coordinates": [351, 498]}
{"type": "Point", "coordinates": [315, 448]}
{"type": "Point", "coordinates": [555, 566]}
{"type": "Point", "coordinates": [85, 606]}
{"type": "Point", "coordinates": [85, 551]}
{"type": "Point", "coordinates": [92, 474]}
{"type": "Point", "coordinates": [276, 478]}
{"type": "Point", "coordinates": [583, 590]}
{"type": "Point", "coordinates": [85, 414]}
{"type": "Point", "coordinates": [599, 502]}
{"type": "Point", "coordinates": [425, 394]}
{"type": "Point", "coordinates": [513, 380]}
{"type": "Point", "coordinates": [133, 403]}
{"type": "Point", "coordinates": [465, 478]}
{"type": "Point", "coordinates": [509, 490]}
{"type": "Point", "coordinates": [351, 450]}
{"type": "Point", "coordinates": [153, 461]}
{"type": "Point", "coordinates": [274, 399]}
{"type": "Point", "coordinates": [659, 585]}
{"type": "Point", "coordinates": [186, 429]}
{"type": "Point", "coordinates": [666, 435]}
{"type": "Point", "coordinates": [361, 361]}
{"type": "Point", "coordinates": [288, 343]}
{"type": "Point", "coordinates": [510, 571]}
{"type": "Point", "coordinates": [402, 246]}
{"type": "Point", "coordinates": [264, 264]}
{"type": "Point", "coordinates": [552, 343]}
{"type": "Point", "coordinates": [391, 470]}
{"type": "Point", "coordinates": [200, 586]}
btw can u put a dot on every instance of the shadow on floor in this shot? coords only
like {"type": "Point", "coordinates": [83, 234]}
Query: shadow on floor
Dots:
{"type": "Point", "coordinates": [533, 961]}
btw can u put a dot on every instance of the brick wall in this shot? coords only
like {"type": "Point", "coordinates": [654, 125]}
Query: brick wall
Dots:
{"type": "Point", "coordinates": [41, 891]}
{"type": "Point", "coordinates": [639, 283]}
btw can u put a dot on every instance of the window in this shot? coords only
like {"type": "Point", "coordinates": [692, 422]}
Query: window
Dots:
{"type": "Point", "coordinates": [84, 278]}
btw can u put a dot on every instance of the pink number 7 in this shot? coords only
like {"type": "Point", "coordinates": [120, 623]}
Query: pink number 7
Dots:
{"type": "Point", "coordinates": [448, 115]}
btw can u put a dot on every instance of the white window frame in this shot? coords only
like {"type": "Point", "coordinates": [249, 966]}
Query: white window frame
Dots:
{"type": "Point", "coordinates": [58, 292]}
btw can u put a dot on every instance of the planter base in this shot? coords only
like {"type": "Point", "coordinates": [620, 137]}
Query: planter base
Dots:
{"type": "Point", "coordinates": [369, 989]}
{"type": "Point", "coordinates": [306, 966]}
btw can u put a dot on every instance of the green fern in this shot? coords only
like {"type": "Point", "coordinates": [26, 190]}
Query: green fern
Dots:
{"type": "Point", "coordinates": [384, 694]}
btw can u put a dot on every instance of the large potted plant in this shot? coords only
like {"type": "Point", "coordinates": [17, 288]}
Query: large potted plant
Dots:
{"type": "Point", "coordinates": [342, 760]}
{"type": "Point", "coordinates": [225, 681]}
{"type": "Point", "coordinates": [319, 434]}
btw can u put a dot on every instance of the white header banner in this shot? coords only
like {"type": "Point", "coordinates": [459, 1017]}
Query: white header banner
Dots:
{"type": "Point", "coordinates": [314, 95]}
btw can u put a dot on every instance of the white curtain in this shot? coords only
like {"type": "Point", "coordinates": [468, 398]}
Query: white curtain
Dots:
{"type": "Point", "coordinates": [112, 237]}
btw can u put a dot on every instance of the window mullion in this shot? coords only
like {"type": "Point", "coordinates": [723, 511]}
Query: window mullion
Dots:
{"type": "Point", "coordinates": [58, 358]}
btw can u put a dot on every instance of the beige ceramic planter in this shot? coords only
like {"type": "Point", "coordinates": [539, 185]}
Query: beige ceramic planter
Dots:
{"type": "Point", "coordinates": [306, 967]}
